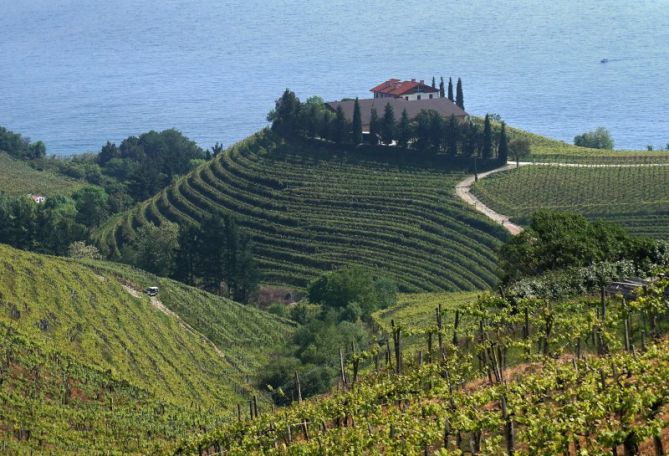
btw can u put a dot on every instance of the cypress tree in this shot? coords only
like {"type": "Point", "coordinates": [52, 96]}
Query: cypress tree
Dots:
{"type": "Point", "coordinates": [442, 92]}
{"type": "Point", "coordinates": [503, 151]}
{"type": "Point", "coordinates": [388, 124]}
{"type": "Point", "coordinates": [403, 130]}
{"type": "Point", "coordinates": [357, 123]}
{"type": "Point", "coordinates": [486, 152]}
{"type": "Point", "coordinates": [374, 127]}
{"type": "Point", "coordinates": [459, 97]}
{"type": "Point", "coordinates": [450, 89]}
{"type": "Point", "coordinates": [434, 83]}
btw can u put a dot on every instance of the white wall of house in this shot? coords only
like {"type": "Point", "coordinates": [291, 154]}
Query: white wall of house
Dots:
{"type": "Point", "coordinates": [421, 96]}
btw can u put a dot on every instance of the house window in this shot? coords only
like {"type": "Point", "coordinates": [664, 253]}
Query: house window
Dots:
{"type": "Point", "coordinates": [418, 97]}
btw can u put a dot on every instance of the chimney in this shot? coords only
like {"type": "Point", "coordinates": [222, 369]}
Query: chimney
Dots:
{"type": "Point", "coordinates": [422, 81]}
{"type": "Point", "coordinates": [413, 80]}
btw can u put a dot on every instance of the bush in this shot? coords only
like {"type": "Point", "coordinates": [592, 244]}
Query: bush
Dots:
{"type": "Point", "coordinates": [596, 139]}
{"type": "Point", "coordinates": [338, 290]}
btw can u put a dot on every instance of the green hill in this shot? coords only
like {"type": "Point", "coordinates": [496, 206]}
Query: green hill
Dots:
{"type": "Point", "coordinates": [637, 197]}
{"type": "Point", "coordinates": [310, 209]}
{"type": "Point", "coordinates": [17, 178]}
{"type": "Point", "coordinates": [204, 359]}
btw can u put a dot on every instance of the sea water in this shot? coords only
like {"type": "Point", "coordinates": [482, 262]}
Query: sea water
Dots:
{"type": "Point", "coordinates": [78, 73]}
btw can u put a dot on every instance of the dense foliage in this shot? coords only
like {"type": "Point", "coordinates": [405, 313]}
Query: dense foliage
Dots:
{"type": "Point", "coordinates": [20, 147]}
{"type": "Point", "coordinates": [51, 226]}
{"type": "Point", "coordinates": [353, 291]}
{"type": "Point", "coordinates": [559, 240]}
{"type": "Point", "coordinates": [428, 133]}
{"type": "Point", "coordinates": [309, 209]}
{"type": "Point", "coordinates": [599, 138]}
{"type": "Point", "coordinates": [346, 298]}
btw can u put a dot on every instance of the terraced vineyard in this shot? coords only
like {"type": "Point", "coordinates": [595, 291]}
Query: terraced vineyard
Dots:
{"type": "Point", "coordinates": [310, 210]}
{"type": "Point", "coordinates": [101, 318]}
{"type": "Point", "coordinates": [637, 197]}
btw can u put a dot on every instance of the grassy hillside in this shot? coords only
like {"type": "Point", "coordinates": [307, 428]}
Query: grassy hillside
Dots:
{"type": "Point", "coordinates": [545, 149]}
{"type": "Point", "coordinates": [635, 197]}
{"type": "Point", "coordinates": [93, 313]}
{"type": "Point", "coordinates": [17, 178]}
{"type": "Point", "coordinates": [310, 210]}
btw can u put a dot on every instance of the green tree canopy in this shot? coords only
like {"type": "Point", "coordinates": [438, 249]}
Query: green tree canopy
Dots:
{"type": "Point", "coordinates": [599, 138]}
{"type": "Point", "coordinates": [339, 289]}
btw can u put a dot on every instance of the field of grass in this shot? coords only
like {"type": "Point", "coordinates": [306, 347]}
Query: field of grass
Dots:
{"type": "Point", "coordinates": [204, 360]}
{"type": "Point", "coordinates": [545, 149]}
{"type": "Point", "coordinates": [310, 210]}
{"type": "Point", "coordinates": [636, 197]}
{"type": "Point", "coordinates": [17, 178]}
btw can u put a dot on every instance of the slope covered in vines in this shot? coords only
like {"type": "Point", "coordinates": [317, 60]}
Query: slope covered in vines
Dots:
{"type": "Point", "coordinates": [636, 197]}
{"type": "Point", "coordinates": [311, 209]}
{"type": "Point", "coordinates": [81, 326]}
{"type": "Point", "coordinates": [584, 375]}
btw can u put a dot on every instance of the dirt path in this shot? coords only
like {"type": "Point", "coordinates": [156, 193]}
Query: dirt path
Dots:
{"type": "Point", "coordinates": [155, 302]}
{"type": "Point", "coordinates": [463, 188]}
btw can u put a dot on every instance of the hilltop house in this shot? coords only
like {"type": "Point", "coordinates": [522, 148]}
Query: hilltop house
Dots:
{"type": "Point", "coordinates": [39, 199]}
{"type": "Point", "coordinates": [445, 107]}
{"type": "Point", "coordinates": [408, 90]}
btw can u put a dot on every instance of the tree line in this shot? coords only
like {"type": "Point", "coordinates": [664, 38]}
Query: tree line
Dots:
{"type": "Point", "coordinates": [213, 255]}
{"type": "Point", "coordinates": [428, 132]}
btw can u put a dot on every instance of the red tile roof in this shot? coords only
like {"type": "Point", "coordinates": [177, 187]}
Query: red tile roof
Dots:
{"type": "Point", "coordinates": [397, 88]}
{"type": "Point", "coordinates": [385, 86]}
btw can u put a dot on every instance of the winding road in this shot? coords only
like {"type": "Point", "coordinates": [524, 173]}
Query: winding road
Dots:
{"type": "Point", "coordinates": [463, 188]}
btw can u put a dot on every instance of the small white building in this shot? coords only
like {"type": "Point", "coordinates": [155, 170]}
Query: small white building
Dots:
{"type": "Point", "coordinates": [39, 199]}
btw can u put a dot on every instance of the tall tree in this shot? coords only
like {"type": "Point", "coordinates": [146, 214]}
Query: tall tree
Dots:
{"type": "Point", "coordinates": [452, 137]}
{"type": "Point", "coordinates": [156, 248]}
{"type": "Point", "coordinates": [285, 115]}
{"type": "Point", "coordinates": [357, 123]}
{"type": "Point", "coordinates": [403, 130]}
{"type": "Point", "coordinates": [459, 96]}
{"type": "Point", "coordinates": [210, 252]}
{"type": "Point", "coordinates": [486, 151]}
{"type": "Point", "coordinates": [503, 150]}
{"type": "Point", "coordinates": [450, 89]}
{"type": "Point", "coordinates": [187, 254]}
{"type": "Point", "coordinates": [247, 275]}
{"type": "Point", "coordinates": [340, 126]}
{"type": "Point", "coordinates": [388, 124]}
{"type": "Point", "coordinates": [442, 92]}
{"type": "Point", "coordinates": [374, 127]}
{"type": "Point", "coordinates": [434, 83]}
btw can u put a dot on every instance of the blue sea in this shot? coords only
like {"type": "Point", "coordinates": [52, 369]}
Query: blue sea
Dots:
{"type": "Point", "coordinates": [78, 73]}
